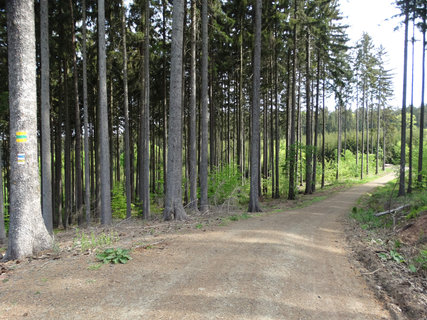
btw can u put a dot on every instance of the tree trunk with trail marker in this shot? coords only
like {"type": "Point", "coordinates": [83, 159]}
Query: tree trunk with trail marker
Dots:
{"type": "Point", "coordinates": [27, 232]}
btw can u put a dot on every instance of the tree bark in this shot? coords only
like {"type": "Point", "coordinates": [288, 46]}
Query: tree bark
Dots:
{"type": "Point", "coordinates": [411, 124]}
{"type": "Point", "coordinates": [104, 151]}
{"type": "Point", "coordinates": [77, 172]}
{"type": "Point", "coordinates": [126, 115]}
{"type": "Point", "coordinates": [173, 197]}
{"type": "Point", "coordinates": [403, 114]}
{"type": "Point", "coordinates": [27, 231]}
{"type": "Point", "coordinates": [204, 114]}
{"type": "Point", "coordinates": [146, 118]}
{"type": "Point", "coordinates": [193, 99]}
{"type": "Point", "coordinates": [2, 226]}
{"type": "Point", "coordinates": [255, 113]}
{"type": "Point", "coordinates": [308, 135]}
{"type": "Point", "coordinates": [421, 140]}
{"type": "Point", "coordinates": [292, 147]}
{"type": "Point", "coordinates": [86, 120]}
{"type": "Point", "coordinates": [46, 167]}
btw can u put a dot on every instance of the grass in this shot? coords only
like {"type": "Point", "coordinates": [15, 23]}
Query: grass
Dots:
{"type": "Point", "coordinates": [93, 241]}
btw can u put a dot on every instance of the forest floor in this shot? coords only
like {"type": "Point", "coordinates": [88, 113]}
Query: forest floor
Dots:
{"type": "Point", "coordinates": [284, 263]}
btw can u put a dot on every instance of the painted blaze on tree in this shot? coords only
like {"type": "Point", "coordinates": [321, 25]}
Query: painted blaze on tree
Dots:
{"type": "Point", "coordinates": [27, 233]}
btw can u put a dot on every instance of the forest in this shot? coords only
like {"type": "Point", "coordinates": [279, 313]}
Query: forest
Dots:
{"type": "Point", "coordinates": [153, 108]}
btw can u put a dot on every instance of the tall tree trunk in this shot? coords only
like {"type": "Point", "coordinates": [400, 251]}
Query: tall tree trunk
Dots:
{"type": "Point", "coordinates": [67, 151]}
{"type": "Point", "coordinates": [323, 130]}
{"type": "Point", "coordinates": [308, 136]}
{"type": "Point", "coordinates": [367, 137]}
{"type": "Point", "coordinates": [86, 120]}
{"type": "Point", "coordinates": [173, 197]}
{"type": "Point", "coordinates": [421, 140]}
{"type": "Point", "coordinates": [363, 128]}
{"type": "Point", "coordinates": [2, 226]}
{"type": "Point", "coordinates": [27, 231]}
{"type": "Point", "coordinates": [339, 139]}
{"type": "Point", "coordinates": [45, 118]}
{"type": "Point", "coordinates": [104, 158]}
{"type": "Point", "coordinates": [265, 144]}
{"type": "Point", "coordinates": [411, 127]}
{"type": "Point", "coordinates": [193, 100]}
{"type": "Point", "coordinates": [403, 114]}
{"type": "Point", "coordinates": [146, 118]}
{"type": "Point", "coordinates": [292, 147]}
{"type": "Point", "coordinates": [357, 125]}
{"type": "Point", "coordinates": [255, 113]}
{"type": "Point", "coordinates": [126, 114]}
{"type": "Point", "coordinates": [58, 159]}
{"type": "Point", "coordinates": [378, 135]}
{"type": "Point", "coordinates": [78, 174]}
{"type": "Point", "coordinates": [165, 98]}
{"type": "Point", "coordinates": [316, 122]}
{"type": "Point", "coordinates": [277, 136]}
{"type": "Point", "coordinates": [204, 114]}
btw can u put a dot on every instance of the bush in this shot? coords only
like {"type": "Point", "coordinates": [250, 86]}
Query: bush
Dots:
{"type": "Point", "coordinates": [224, 182]}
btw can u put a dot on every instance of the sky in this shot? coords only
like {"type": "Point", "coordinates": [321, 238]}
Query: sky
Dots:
{"type": "Point", "coordinates": [375, 18]}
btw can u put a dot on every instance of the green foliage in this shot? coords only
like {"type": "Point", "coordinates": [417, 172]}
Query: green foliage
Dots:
{"type": "Point", "coordinates": [367, 219]}
{"type": "Point", "coordinates": [396, 256]}
{"type": "Point", "coordinates": [383, 256]}
{"type": "Point", "coordinates": [199, 226]}
{"type": "Point", "coordinates": [117, 255]}
{"type": "Point", "coordinates": [421, 259]}
{"type": "Point", "coordinates": [225, 182]}
{"type": "Point", "coordinates": [412, 268]}
{"type": "Point", "coordinates": [391, 255]}
{"type": "Point", "coordinates": [92, 241]}
{"type": "Point", "coordinates": [118, 201]}
{"type": "Point", "coordinates": [237, 217]}
{"type": "Point", "coordinates": [397, 244]}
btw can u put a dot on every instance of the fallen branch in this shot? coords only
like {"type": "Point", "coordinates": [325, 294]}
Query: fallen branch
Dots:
{"type": "Point", "coordinates": [369, 273]}
{"type": "Point", "coordinates": [391, 211]}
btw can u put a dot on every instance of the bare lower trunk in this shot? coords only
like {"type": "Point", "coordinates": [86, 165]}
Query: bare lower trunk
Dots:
{"type": "Point", "coordinates": [126, 114]}
{"type": "Point", "coordinates": [86, 121]}
{"type": "Point", "coordinates": [78, 174]}
{"type": "Point", "coordinates": [403, 114]}
{"type": "Point", "coordinates": [146, 119]}
{"type": "Point", "coordinates": [45, 118]}
{"type": "Point", "coordinates": [173, 197]}
{"type": "Point", "coordinates": [2, 227]}
{"type": "Point", "coordinates": [27, 231]}
{"type": "Point", "coordinates": [192, 127]}
{"type": "Point", "coordinates": [204, 113]}
{"type": "Point", "coordinates": [420, 149]}
{"type": "Point", "coordinates": [255, 113]}
{"type": "Point", "coordinates": [104, 151]}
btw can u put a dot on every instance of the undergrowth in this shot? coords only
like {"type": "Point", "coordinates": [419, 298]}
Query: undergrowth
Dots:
{"type": "Point", "coordinates": [89, 242]}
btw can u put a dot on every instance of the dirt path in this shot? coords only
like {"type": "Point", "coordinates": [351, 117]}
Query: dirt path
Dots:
{"type": "Point", "coordinates": [290, 265]}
